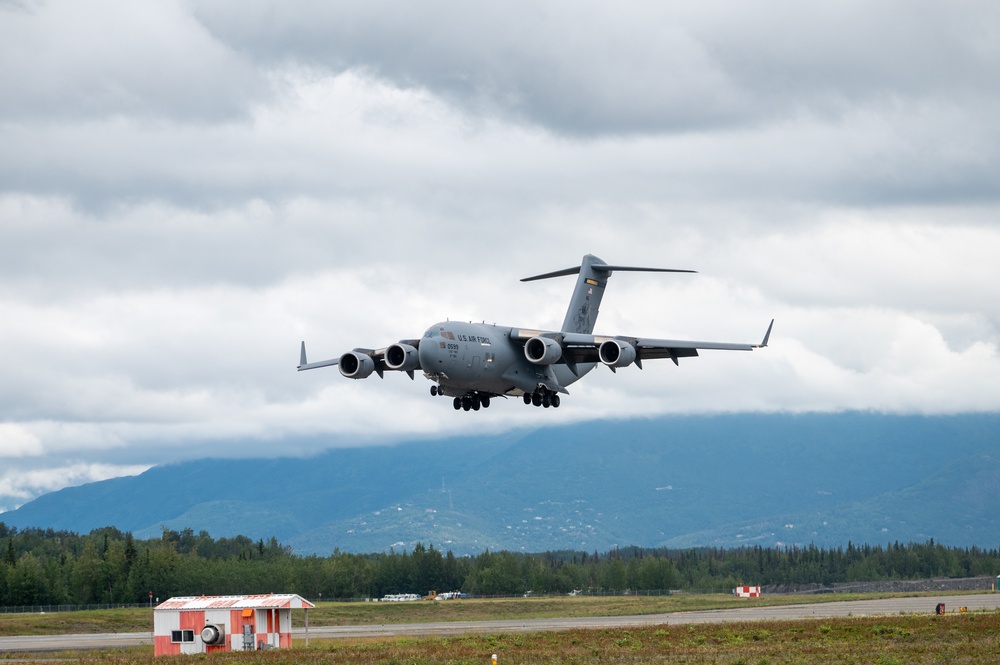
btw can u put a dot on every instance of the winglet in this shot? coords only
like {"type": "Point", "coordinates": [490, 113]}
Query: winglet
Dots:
{"type": "Point", "coordinates": [303, 364]}
{"type": "Point", "coordinates": [767, 335]}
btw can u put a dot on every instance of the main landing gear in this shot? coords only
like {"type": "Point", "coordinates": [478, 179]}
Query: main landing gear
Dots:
{"type": "Point", "coordinates": [469, 402]}
{"type": "Point", "coordinates": [542, 397]}
{"type": "Point", "coordinates": [472, 401]}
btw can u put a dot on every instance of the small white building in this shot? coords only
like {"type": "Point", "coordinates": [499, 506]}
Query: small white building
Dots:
{"type": "Point", "coordinates": [200, 624]}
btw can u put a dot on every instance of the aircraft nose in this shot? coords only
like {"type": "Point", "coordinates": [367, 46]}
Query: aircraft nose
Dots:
{"type": "Point", "coordinates": [429, 353]}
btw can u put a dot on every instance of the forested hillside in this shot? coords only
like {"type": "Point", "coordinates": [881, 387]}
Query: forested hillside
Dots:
{"type": "Point", "coordinates": [677, 482]}
{"type": "Point", "coordinates": [47, 567]}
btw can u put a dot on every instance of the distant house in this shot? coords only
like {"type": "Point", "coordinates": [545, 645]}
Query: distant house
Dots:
{"type": "Point", "coordinates": [200, 624]}
{"type": "Point", "coordinates": [747, 592]}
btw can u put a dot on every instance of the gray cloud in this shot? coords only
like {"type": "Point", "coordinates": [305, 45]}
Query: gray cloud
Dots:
{"type": "Point", "coordinates": [188, 190]}
{"type": "Point", "coordinates": [109, 59]}
{"type": "Point", "coordinates": [640, 67]}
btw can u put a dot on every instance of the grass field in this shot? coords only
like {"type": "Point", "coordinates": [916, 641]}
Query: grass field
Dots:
{"type": "Point", "coordinates": [359, 613]}
{"type": "Point", "coordinates": [956, 638]}
{"type": "Point", "coordinates": [898, 640]}
{"type": "Point", "coordinates": [973, 638]}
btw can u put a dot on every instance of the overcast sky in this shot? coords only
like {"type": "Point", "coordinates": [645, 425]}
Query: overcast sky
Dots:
{"type": "Point", "coordinates": [188, 189]}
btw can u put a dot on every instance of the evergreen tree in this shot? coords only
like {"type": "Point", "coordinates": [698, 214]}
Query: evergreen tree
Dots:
{"type": "Point", "coordinates": [87, 576]}
{"type": "Point", "coordinates": [26, 582]}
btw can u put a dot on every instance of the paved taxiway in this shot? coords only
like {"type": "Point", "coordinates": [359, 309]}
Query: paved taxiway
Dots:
{"type": "Point", "coordinates": [921, 605]}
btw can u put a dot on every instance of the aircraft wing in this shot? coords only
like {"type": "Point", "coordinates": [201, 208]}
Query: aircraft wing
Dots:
{"type": "Point", "coordinates": [304, 364]}
{"type": "Point", "coordinates": [582, 348]}
{"type": "Point", "coordinates": [652, 349]}
{"type": "Point", "coordinates": [360, 362]}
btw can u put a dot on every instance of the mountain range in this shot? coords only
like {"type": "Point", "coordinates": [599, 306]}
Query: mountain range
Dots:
{"type": "Point", "coordinates": [678, 481]}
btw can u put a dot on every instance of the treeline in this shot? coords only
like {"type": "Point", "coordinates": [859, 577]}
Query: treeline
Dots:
{"type": "Point", "coordinates": [47, 567]}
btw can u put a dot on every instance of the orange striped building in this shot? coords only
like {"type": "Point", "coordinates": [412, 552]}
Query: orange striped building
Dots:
{"type": "Point", "coordinates": [203, 624]}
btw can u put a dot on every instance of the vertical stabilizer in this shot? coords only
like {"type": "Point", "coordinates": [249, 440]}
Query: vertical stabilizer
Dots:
{"type": "Point", "coordinates": [581, 317]}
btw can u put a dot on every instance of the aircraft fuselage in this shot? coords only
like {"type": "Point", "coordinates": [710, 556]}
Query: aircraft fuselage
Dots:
{"type": "Point", "coordinates": [462, 357]}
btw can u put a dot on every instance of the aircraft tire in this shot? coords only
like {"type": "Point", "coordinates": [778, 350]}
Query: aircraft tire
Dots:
{"type": "Point", "coordinates": [434, 391]}
{"type": "Point", "coordinates": [536, 399]}
{"type": "Point", "coordinates": [458, 403]}
{"type": "Point", "coordinates": [527, 398]}
{"type": "Point", "coordinates": [555, 401]}
{"type": "Point", "coordinates": [486, 402]}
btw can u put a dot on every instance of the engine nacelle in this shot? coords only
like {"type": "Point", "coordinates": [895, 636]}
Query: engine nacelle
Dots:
{"type": "Point", "coordinates": [615, 353]}
{"type": "Point", "coordinates": [355, 365]}
{"type": "Point", "coordinates": [402, 357]}
{"type": "Point", "coordinates": [542, 350]}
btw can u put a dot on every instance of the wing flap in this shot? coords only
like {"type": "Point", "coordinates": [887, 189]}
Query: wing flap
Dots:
{"type": "Point", "coordinates": [680, 345]}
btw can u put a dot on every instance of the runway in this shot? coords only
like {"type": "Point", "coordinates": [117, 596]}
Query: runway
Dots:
{"type": "Point", "coordinates": [887, 606]}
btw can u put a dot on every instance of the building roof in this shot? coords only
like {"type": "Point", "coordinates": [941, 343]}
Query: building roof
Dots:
{"type": "Point", "coordinates": [268, 601]}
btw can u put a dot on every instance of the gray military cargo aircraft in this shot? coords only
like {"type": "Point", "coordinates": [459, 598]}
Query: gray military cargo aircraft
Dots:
{"type": "Point", "coordinates": [475, 362]}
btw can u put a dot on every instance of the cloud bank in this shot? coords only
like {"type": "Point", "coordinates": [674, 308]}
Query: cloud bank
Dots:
{"type": "Point", "coordinates": [189, 189]}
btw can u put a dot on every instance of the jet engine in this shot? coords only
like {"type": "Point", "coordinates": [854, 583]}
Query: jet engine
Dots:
{"type": "Point", "coordinates": [542, 350]}
{"type": "Point", "coordinates": [615, 353]}
{"type": "Point", "coordinates": [356, 365]}
{"type": "Point", "coordinates": [213, 633]}
{"type": "Point", "coordinates": [402, 357]}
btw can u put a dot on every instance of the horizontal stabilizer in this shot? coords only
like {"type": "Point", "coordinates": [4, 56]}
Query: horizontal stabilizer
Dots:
{"type": "Point", "coordinates": [601, 268]}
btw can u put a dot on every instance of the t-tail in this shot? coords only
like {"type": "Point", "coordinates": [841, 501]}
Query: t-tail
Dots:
{"type": "Point", "coordinates": [581, 317]}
